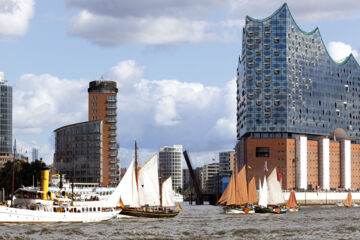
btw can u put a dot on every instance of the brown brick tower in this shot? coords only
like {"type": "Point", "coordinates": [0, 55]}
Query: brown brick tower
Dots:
{"type": "Point", "coordinates": [102, 106]}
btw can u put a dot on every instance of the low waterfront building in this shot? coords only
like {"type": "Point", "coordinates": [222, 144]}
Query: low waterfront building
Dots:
{"type": "Point", "coordinates": [79, 150]}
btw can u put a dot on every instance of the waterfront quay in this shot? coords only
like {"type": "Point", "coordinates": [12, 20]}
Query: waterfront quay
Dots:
{"type": "Point", "coordinates": [322, 197]}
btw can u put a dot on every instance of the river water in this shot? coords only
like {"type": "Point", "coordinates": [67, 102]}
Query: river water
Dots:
{"type": "Point", "coordinates": [205, 222]}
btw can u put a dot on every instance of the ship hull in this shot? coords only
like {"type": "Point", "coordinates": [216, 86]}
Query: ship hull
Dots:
{"type": "Point", "coordinates": [137, 212]}
{"type": "Point", "coordinates": [270, 210]}
{"type": "Point", "coordinates": [17, 215]}
{"type": "Point", "coordinates": [238, 211]}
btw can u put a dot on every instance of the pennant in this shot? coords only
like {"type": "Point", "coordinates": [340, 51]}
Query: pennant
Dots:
{"type": "Point", "coordinates": [266, 167]}
{"type": "Point", "coordinates": [278, 174]}
{"type": "Point", "coordinates": [179, 207]}
{"type": "Point", "coordinates": [121, 204]}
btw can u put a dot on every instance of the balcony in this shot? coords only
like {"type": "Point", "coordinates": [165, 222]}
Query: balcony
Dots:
{"type": "Point", "coordinates": [111, 120]}
{"type": "Point", "coordinates": [113, 146]}
{"type": "Point", "coordinates": [111, 99]}
{"type": "Point", "coordinates": [111, 105]}
{"type": "Point", "coordinates": [113, 153]}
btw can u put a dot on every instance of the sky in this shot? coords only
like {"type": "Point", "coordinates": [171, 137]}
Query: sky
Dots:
{"type": "Point", "coordinates": [174, 63]}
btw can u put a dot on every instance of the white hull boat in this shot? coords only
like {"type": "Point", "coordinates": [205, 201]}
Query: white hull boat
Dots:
{"type": "Point", "coordinates": [18, 215]}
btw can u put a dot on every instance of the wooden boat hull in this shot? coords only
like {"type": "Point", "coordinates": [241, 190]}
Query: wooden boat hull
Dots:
{"type": "Point", "coordinates": [270, 210]}
{"type": "Point", "coordinates": [135, 212]}
{"type": "Point", "coordinates": [293, 209]}
{"type": "Point", "coordinates": [238, 211]}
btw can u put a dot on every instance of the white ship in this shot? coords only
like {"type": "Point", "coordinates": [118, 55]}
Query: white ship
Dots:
{"type": "Point", "coordinates": [42, 207]}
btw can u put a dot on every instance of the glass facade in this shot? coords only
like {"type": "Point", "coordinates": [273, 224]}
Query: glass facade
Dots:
{"type": "Point", "coordinates": [79, 146]}
{"type": "Point", "coordinates": [5, 120]}
{"type": "Point", "coordinates": [288, 83]}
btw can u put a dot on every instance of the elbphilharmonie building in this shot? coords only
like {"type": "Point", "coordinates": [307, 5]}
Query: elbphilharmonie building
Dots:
{"type": "Point", "coordinates": [297, 108]}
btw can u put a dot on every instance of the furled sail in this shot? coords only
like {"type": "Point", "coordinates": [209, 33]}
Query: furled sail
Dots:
{"type": "Point", "coordinates": [260, 188]}
{"type": "Point", "coordinates": [263, 195]}
{"type": "Point", "coordinates": [348, 200]}
{"type": "Point", "coordinates": [291, 203]}
{"type": "Point", "coordinates": [239, 195]}
{"type": "Point", "coordinates": [226, 194]}
{"type": "Point", "coordinates": [252, 194]}
{"type": "Point", "coordinates": [149, 183]}
{"type": "Point", "coordinates": [167, 195]}
{"type": "Point", "coordinates": [128, 188]}
{"type": "Point", "coordinates": [275, 194]}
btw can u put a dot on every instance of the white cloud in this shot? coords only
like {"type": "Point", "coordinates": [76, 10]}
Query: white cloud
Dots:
{"type": "Point", "coordinates": [15, 16]}
{"type": "Point", "coordinates": [45, 150]}
{"type": "Point", "coordinates": [41, 101]}
{"type": "Point", "coordinates": [111, 31]}
{"type": "Point", "coordinates": [339, 51]}
{"type": "Point", "coordinates": [125, 73]}
{"type": "Point", "coordinates": [157, 22]}
{"type": "Point", "coordinates": [155, 112]}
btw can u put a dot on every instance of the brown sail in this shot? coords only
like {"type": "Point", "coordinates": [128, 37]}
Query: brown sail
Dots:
{"type": "Point", "coordinates": [252, 194]}
{"type": "Point", "coordinates": [226, 194]}
{"type": "Point", "coordinates": [239, 195]}
{"type": "Point", "coordinates": [291, 203]}
{"type": "Point", "coordinates": [348, 200]}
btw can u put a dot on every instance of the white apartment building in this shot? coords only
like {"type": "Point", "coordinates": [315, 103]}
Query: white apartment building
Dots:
{"type": "Point", "coordinates": [170, 164]}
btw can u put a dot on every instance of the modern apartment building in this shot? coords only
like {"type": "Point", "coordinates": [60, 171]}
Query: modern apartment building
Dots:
{"type": "Point", "coordinates": [5, 117]}
{"type": "Point", "coordinates": [210, 179]}
{"type": "Point", "coordinates": [170, 164]}
{"type": "Point", "coordinates": [78, 150]}
{"type": "Point", "coordinates": [102, 106]}
{"type": "Point", "coordinates": [227, 163]}
{"type": "Point", "coordinates": [94, 141]}
{"type": "Point", "coordinates": [297, 108]}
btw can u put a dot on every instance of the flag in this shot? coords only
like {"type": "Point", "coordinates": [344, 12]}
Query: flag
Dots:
{"type": "Point", "coordinates": [278, 174]}
{"type": "Point", "coordinates": [179, 207]}
{"type": "Point", "coordinates": [265, 167]}
{"type": "Point", "coordinates": [121, 204]}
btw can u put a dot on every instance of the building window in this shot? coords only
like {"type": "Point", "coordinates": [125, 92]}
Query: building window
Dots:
{"type": "Point", "coordinates": [262, 152]}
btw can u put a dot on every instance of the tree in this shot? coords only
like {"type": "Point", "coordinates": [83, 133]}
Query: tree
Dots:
{"type": "Point", "coordinates": [25, 173]}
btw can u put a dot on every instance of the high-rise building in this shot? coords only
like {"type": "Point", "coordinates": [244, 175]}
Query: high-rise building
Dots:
{"type": "Point", "coordinates": [102, 106]}
{"type": "Point", "coordinates": [5, 117]}
{"type": "Point", "coordinates": [93, 143]}
{"type": "Point", "coordinates": [297, 108]}
{"type": "Point", "coordinates": [227, 163]}
{"type": "Point", "coordinates": [34, 154]}
{"type": "Point", "coordinates": [170, 164]}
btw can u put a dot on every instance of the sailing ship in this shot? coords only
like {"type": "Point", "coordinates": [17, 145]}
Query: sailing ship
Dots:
{"type": "Point", "coordinates": [41, 207]}
{"type": "Point", "coordinates": [238, 197]}
{"type": "Point", "coordinates": [142, 195]}
{"type": "Point", "coordinates": [271, 197]}
{"type": "Point", "coordinates": [348, 201]}
{"type": "Point", "coordinates": [291, 204]}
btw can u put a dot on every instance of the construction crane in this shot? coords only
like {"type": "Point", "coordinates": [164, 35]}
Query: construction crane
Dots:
{"type": "Point", "coordinates": [199, 196]}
